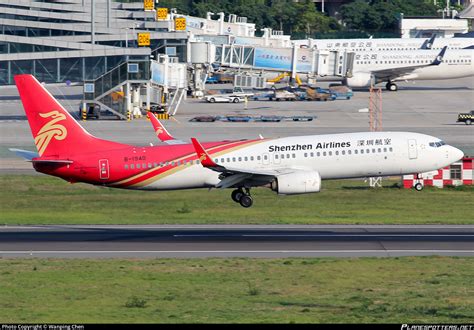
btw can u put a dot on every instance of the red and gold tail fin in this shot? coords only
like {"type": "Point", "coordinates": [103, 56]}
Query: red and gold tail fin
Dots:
{"type": "Point", "coordinates": [55, 131]}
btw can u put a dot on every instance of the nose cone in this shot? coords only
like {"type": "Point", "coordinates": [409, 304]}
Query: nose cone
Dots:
{"type": "Point", "coordinates": [455, 154]}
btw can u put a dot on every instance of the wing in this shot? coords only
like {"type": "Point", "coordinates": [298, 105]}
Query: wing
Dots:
{"type": "Point", "coordinates": [161, 131]}
{"type": "Point", "coordinates": [232, 176]}
{"type": "Point", "coordinates": [391, 74]}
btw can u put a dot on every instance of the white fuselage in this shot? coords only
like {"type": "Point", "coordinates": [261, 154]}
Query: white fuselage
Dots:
{"type": "Point", "coordinates": [383, 44]}
{"type": "Point", "coordinates": [455, 64]}
{"type": "Point", "coordinates": [333, 156]}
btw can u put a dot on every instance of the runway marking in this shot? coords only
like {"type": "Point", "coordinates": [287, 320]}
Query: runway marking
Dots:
{"type": "Point", "coordinates": [325, 235]}
{"type": "Point", "coordinates": [238, 251]}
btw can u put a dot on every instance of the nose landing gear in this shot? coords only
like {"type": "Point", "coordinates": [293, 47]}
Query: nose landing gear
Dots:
{"type": "Point", "coordinates": [242, 197]}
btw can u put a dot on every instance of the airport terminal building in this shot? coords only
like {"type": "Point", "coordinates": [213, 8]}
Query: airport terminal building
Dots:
{"type": "Point", "coordinates": [56, 41]}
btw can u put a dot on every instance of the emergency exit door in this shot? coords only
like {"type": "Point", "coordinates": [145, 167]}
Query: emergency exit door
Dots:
{"type": "Point", "coordinates": [104, 169]}
{"type": "Point", "coordinates": [412, 151]}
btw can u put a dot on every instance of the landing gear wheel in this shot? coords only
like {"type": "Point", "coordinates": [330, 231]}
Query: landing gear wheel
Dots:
{"type": "Point", "coordinates": [246, 201]}
{"type": "Point", "coordinates": [237, 195]}
{"type": "Point", "coordinates": [391, 87]}
{"type": "Point", "coordinates": [418, 186]}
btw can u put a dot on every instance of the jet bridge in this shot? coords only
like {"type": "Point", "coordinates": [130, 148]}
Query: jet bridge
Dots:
{"type": "Point", "coordinates": [312, 62]}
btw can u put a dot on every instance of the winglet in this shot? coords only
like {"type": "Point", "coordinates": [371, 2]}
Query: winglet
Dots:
{"type": "Point", "coordinates": [428, 44]}
{"type": "Point", "coordinates": [202, 154]}
{"type": "Point", "coordinates": [440, 56]}
{"type": "Point", "coordinates": [160, 130]}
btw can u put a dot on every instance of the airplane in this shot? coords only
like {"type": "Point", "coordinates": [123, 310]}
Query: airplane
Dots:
{"type": "Point", "coordinates": [289, 165]}
{"type": "Point", "coordinates": [385, 44]}
{"type": "Point", "coordinates": [377, 67]}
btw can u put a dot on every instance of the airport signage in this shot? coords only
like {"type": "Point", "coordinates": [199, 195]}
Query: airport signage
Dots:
{"type": "Point", "coordinates": [149, 4]}
{"type": "Point", "coordinates": [180, 24]}
{"type": "Point", "coordinates": [143, 39]}
{"type": "Point", "coordinates": [162, 13]}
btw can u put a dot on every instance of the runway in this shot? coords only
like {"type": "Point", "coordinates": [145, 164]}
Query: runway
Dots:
{"type": "Point", "coordinates": [199, 241]}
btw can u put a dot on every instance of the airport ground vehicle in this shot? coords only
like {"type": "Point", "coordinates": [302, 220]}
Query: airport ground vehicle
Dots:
{"type": "Point", "coordinates": [288, 165]}
{"type": "Point", "coordinates": [466, 118]}
{"type": "Point", "coordinates": [284, 95]}
{"type": "Point", "coordinates": [340, 92]}
{"type": "Point", "coordinates": [319, 95]}
{"type": "Point", "coordinates": [224, 98]}
{"type": "Point", "coordinates": [212, 80]}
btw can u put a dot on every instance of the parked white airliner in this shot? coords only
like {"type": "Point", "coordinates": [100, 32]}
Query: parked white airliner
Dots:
{"type": "Point", "coordinates": [370, 68]}
{"type": "Point", "coordinates": [385, 44]}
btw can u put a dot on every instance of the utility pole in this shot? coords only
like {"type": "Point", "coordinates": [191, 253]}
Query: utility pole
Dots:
{"type": "Point", "coordinates": [92, 22]}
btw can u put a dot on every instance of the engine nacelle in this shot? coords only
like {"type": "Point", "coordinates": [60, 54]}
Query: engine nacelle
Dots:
{"type": "Point", "coordinates": [301, 182]}
{"type": "Point", "coordinates": [360, 79]}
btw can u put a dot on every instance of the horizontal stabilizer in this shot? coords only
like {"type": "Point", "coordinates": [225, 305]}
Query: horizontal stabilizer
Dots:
{"type": "Point", "coordinates": [52, 161]}
{"type": "Point", "coordinates": [28, 155]}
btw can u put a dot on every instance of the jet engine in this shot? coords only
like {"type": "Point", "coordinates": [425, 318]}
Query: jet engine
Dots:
{"type": "Point", "coordinates": [360, 79]}
{"type": "Point", "coordinates": [297, 183]}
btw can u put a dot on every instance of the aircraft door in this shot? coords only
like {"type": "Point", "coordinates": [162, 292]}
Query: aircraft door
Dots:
{"type": "Point", "coordinates": [412, 151]}
{"type": "Point", "coordinates": [104, 169]}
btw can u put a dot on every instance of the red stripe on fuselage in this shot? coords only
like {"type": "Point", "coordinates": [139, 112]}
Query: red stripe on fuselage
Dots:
{"type": "Point", "coordinates": [175, 153]}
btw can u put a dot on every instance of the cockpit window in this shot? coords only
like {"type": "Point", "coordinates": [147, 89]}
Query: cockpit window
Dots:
{"type": "Point", "coordinates": [437, 144]}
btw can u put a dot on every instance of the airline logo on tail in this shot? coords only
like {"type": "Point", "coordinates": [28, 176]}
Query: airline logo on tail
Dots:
{"type": "Point", "coordinates": [203, 157]}
{"type": "Point", "coordinates": [49, 130]}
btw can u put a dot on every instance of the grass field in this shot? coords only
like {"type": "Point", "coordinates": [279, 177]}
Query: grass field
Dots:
{"type": "Point", "coordinates": [39, 199]}
{"type": "Point", "coordinates": [397, 290]}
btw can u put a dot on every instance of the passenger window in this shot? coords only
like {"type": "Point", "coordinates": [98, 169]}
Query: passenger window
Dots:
{"type": "Point", "coordinates": [368, 151]}
{"type": "Point", "coordinates": [305, 155]}
{"type": "Point", "coordinates": [251, 158]}
{"type": "Point", "coordinates": [198, 161]}
{"type": "Point", "coordinates": [361, 151]}
{"type": "Point", "coordinates": [126, 166]}
{"type": "Point", "coordinates": [233, 159]}
{"type": "Point", "coordinates": [294, 156]}
{"type": "Point", "coordinates": [150, 165]}
{"type": "Point", "coordinates": [138, 165]}
{"type": "Point", "coordinates": [265, 157]}
{"type": "Point", "coordinates": [380, 150]}
{"type": "Point", "coordinates": [144, 165]}
{"type": "Point", "coordinates": [337, 153]}
{"type": "Point", "coordinates": [343, 152]}
{"type": "Point", "coordinates": [318, 154]}
{"type": "Point", "coordinates": [259, 158]}
{"type": "Point", "coordinates": [391, 149]}
{"type": "Point", "coordinates": [276, 156]}
{"type": "Point", "coordinates": [246, 159]}
{"type": "Point", "coordinates": [324, 153]}
{"type": "Point", "coordinates": [228, 160]}
{"type": "Point", "coordinates": [330, 153]}
{"type": "Point", "coordinates": [373, 151]}
{"type": "Point", "coordinates": [384, 149]}
{"type": "Point", "coordinates": [240, 159]}
{"type": "Point", "coordinates": [349, 152]}
{"type": "Point", "coordinates": [132, 166]}
{"type": "Point", "coordinates": [222, 160]}
{"type": "Point", "coordinates": [312, 154]}
{"type": "Point", "coordinates": [155, 164]}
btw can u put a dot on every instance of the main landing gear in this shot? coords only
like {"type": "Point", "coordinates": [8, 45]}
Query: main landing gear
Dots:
{"type": "Point", "coordinates": [390, 86]}
{"type": "Point", "coordinates": [242, 197]}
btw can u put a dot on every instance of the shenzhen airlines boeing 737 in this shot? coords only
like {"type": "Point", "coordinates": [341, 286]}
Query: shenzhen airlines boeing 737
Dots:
{"type": "Point", "coordinates": [292, 165]}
